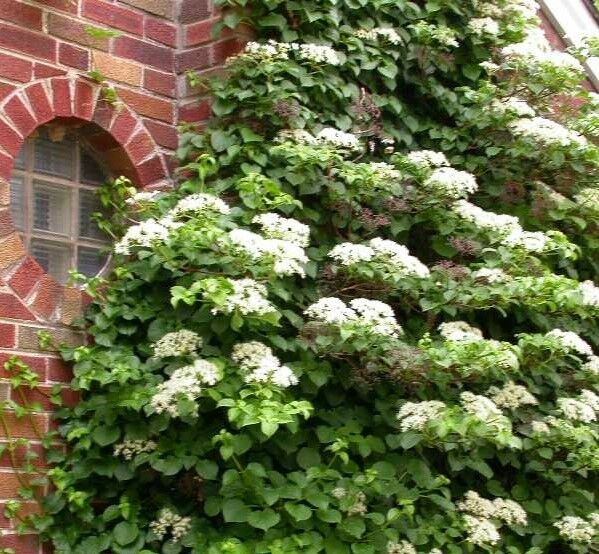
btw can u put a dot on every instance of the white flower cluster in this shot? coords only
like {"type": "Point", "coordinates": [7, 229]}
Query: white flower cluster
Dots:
{"type": "Point", "coordinates": [386, 34]}
{"type": "Point", "coordinates": [588, 198]}
{"type": "Point", "coordinates": [359, 507]}
{"type": "Point", "coordinates": [276, 227]}
{"type": "Point", "coordinates": [287, 257]}
{"type": "Point", "coordinates": [318, 54]}
{"type": "Point", "coordinates": [297, 136]}
{"type": "Point", "coordinates": [128, 449]}
{"type": "Point", "coordinates": [451, 183]}
{"type": "Point", "coordinates": [416, 415]}
{"type": "Point", "coordinates": [392, 255]}
{"type": "Point", "coordinates": [502, 224]}
{"type": "Point", "coordinates": [511, 396]}
{"type": "Point", "coordinates": [427, 159]}
{"type": "Point", "coordinates": [169, 520]}
{"type": "Point", "coordinates": [403, 547]}
{"type": "Point", "coordinates": [145, 234]}
{"type": "Point", "coordinates": [590, 293]}
{"type": "Point", "coordinates": [177, 343]}
{"type": "Point", "coordinates": [329, 136]}
{"type": "Point", "coordinates": [248, 297]}
{"type": "Point", "coordinates": [143, 196]}
{"type": "Point", "coordinates": [506, 8]}
{"type": "Point", "coordinates": [277, 51]}
{"type": "Point", "coordinates": [531, 241]}
{"type": "Point", "coordinates": [546, 132]}
{"type": "Point", "coordinates": [571, 341]}
{"type": "Point", "coordinates": [490, 275]}
{"type": "Point", "coordinates": [185, 382]}
{"type": "Point", "coordinates": [483, 26]}
{"type": "Point", "coordinates": [591, 365]}
{"type": "Point", "coordinates": [584, 409]}
{"type": "Point", "coordinates": [385, 171]}
{"type": "Point", "coordinates": [575, 529]}
{"type": "Point", "coordinates": [261, 365]}
{"type": "Point", "coordinates": [512, 106]}
{"type": "Point", "coordinates": [200, 203]}
{"type": "Point", "coordinates": [459, 331]}
{"type": "Point", "coordinates": [481, 407]}
{"type": "Point", "coordinates": [479, 511]}
{"type": "Point", "coordinates": [370, 316]}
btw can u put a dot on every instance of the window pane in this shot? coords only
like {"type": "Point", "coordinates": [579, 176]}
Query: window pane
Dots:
{"type": "Point", "coordinates": [51, 208]}
{"type": "Point", "coordinates": [54, 258]}
{"type": "Point", "coordinates": [17, 201]}
{"type": "Point", "coordinates": [91, 261]}
{"type": "Point", "coordinates": [20, 159]}
{"type": "Point", "coordinates": [91, 172]}
{"type": "Point", "coordinates": [88, 204]}
{"type": "Point", "coordinates": [55, 158]}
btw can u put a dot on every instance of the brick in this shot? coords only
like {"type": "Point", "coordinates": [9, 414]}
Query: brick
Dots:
{"type": "Point", "coordinates": [20, 116]}
{"type": "Point", "coordinates": [5, 90]}
{"type": "Point", "coordinates": [37, 364]}
{"type": "Point", "coordinates": [40, 103]}
{"type": "Point", "coordinates": [160, 31]}
{"type": "Point", "coordinates": [8, 335]}
{"type": "Point", "coordinates": [6, 224]}
{"type": "Point", "coordinates": [151, 171]}
{"type": "Point", "coordinates": [160, 57]}
{"type": "Point", "coordinates": [200, 32]}
{"type": "Point", "coordinates": [103, 114]}
{"type": "Point", "coordinates": [84, 100]}
{"type": "Point", "coordinates": [27, 338]}
{"type": "Point", "coordinates": [6, 163]}
{"type": "Point", "coordinates": [10, 140]}
{"type": "Point", "coordinates": [162, 83]}
{"type": "Point", "coordinates": [61, 94]}
{"type": "Point", "coordinates": [117, 69]}
{"type": "Point", "coordinates": [15, 69]}
{"type": "Point", "coordinates": [195, 58]}
{"type": "Point", "coordinates": [113, 16]}
{"type": "Point", "coordinates": [225, 49]}
{"type": "Point", "coordinates": [194, 10]}
{"type": "Point", "coordinates": [164, 8]}
{"type": "Point", "coordinates": [58, 370]}
{"type": "Point", "coordinates": [164, 135]}
{"type": "Point", "coordinates": [11, 250]}
{"type": "Point", "coordinates": [25, 427]}
{"type": "Point", "coordinates": [26, 277]}
{"type": "Point", "coordinates": [149, 106]}
{"type": "Point", "coordinates": [123, 126]}
{"type": "Point", "coordinates": [140, 146]}
{"type": "Point", "coordinates": [47, 294]}
{"type": "Point", "coordinates": [70, 305]}
{"type": "Point", "coordinates": [27, 42]}
{"type": "Point", "coordinates": [43, 71]}
{"type": "Point", "coordinates": [196, 111]}
{"type": "Point", "coordinates": [4, 193]}
{"type": "Point", "coordinates": [23, 544]}
{"type": "Point", "coordinates": [72, 30]}
{"type": "Point", "coordinates": [69, 6]}
{"type": "Point", "coordinates": [21, 14]}
{"type": "Point", "coordinates": [25, 508]}
{"type": "Point", "coordinates": [73, 56]}
{"type": "Point", "coordinates": [11, 307]}
{"type": "Point", "coordinates": [26, 396]}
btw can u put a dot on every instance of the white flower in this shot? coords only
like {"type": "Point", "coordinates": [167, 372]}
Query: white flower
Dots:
{"type": "Point", "coordinates": [128, 449]}
{"type": "Point", "coordinates": [511, 396]}
{"type": "Point", "coordinates": [178, 343]}
{"type": "Point", "coordinates": [588, 198]}
{"type": "Point", "coordinates": [348, 253]}
{"type": "Point", "coordinates": [590, 293]}
{"type": "Point", "coordinates": [502, 224]}
{"type": "Point", "coordinates": [276, 227]}
{"type": "Point", "coordinates": [403, 547]}
{"type": "Point", "coordinates": [415, 415]}
{"type": "Point", "coordinates": [481, 532]}
{"type": "Point", "coordinates": [512, 106]}
{"type": "Point", "coordinates": [261, 365]}
{"type": "Point", "coordinates": [145, 234]}
{"type": "Point", "coordinates": [590, 399]}
{"type": "Point", "coordinates": [331, 310]}
{"type": "Point", "coordinates": [592, 365]}
{"type": "Point", "coordinates": [338, 139]}
{"type": "Point", "coordinates": [297, 136]}
{"type": "Point", "coordinates": [168, 519]}
{"type": "Point", "coordinates": [483, 26]}
{"type": "Point", "coordinates": [571, 341]}
{"type": "Point", "coordinates": [459, 331]}
{"type": "Point", "coordinates": [490, 275]}
{"type": "Point", "coordinates": [248, 297]}
{"type": "Point", "coordinates": [575, 410]}
{"type": "Point", "coordinates": [480, 406]}
{"type": "Point", "coordinates": [317, 53]}
{"type": "Point", "coordinates": [376, 316]}
{"type": "Point", "coordinates": [531, 241]}
{"type": "Point", "coordinates": [185, 382]}
{"type": "Point", "coordinates": [385, 33]}
{"type": "Point", "coordinates": [339, 493]}
{"type": "Point", "coordinates": [270, 51]}
{"type": "Point", "coordinates": [546, 132]}
{"type": "Point", "coordinates": [385, 171]}
{"type": "Point", "coordinates": [143, 196]}
{"type": "Point", "coordinates": [450, 182]}
{"type": "Point", "coordinates": [510, 512]}
{"type": "Point", "coordinates": [575, 529]}
{"type": "Point", "coordinates": [200, 203]}
{"type": "Point", "coordinates": [398, 257]}
{"type": "Point", "coordinates": [540, 427]}
{"type": "Point", "coordinates": [427, 158]}
{"type": "Point", "coordinates": [476, 504]}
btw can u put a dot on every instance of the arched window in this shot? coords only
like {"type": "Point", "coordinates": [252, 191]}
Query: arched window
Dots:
{"type": "Point", "coordinates": [52, 200]}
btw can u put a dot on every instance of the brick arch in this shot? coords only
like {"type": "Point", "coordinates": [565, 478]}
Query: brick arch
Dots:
{"type": "Point", "coordinates": [26, 291]}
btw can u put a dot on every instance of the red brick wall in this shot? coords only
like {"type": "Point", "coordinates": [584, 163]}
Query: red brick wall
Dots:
{"type": "Point", "coordinates": [45, 56]}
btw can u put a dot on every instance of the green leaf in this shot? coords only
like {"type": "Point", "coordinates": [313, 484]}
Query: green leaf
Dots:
{"type": "Point", "coordinates": [125, 533]}
{"type": "Point", "coordinates": [264, 519]}
{"type": "Point", "coordinates": [299, 512]}
{"type": "Point", "coordinates": [105, 435]}
{"type": "Point", "coordinates": [207, 469]}
{"type": "Point", "coordinates": [308, 457]}
{"type": "Point", "coordinates": [235, 511]}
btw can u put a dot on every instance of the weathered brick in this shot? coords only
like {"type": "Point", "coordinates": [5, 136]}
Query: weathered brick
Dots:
{"type": "Point", "coordinates": [123, 126]}
{"type": "Point", "coordinates": [113, 16]}
{"type": "Point", "coordinates": [28, 337]}
{"type": "Point", "coordinates": [10, 140]}
{"type": "Point", "coordinates": [140, 146]}
{"type": "Point", "coordinates": [162, 83]}
{"type": "Point", "coordinates": [28, 42]}
{"type": "Point", "coordinates": [73, 56]}
{"type": "Point", "coordinates": [5, 90]}
{"type": "Point", "coordinates": [6, 163]}
{"type": "Point", "coordinates": [35, 363]}
{"type": "Point", "coordinates": [21, 14]}
{"type": "Point", "coordinates": [147, 105]}
{"type": "Point", "coordinates": [194, 10]}
{"type": "Point", "coordinates": [43, 71]}
{"type": "Point", "coordinates": [85, 96]}
{"type": "Point", "coordinates": [117, 69]}
{"type": "Point", "coordinates": [103, 114]}
{"type": "Point", "coordinates": [11, 250]}
{"type": "Point", "coordinates": [58, 370]}
{"type": "Point", "coordinates": [165, 135]}
{"type": "Point", "coordinates": [41, 396]}
{"type": "Point", "coordinates": [151, 171]}
{"type": "Point", "coordinates": [160, 31]}
{"type": "Point", "coordinates": [196, 111]}
{"type": "Point", "coordinates": [26, 276]}
{"type": "Point", "coordinates": [20, 116]}
{"type": "Point", "coordinates": [8, 335]}
{"type": "Point", "coordinates": [153, 55]}
{"type": "Point", "coordinates": [15, 69]}
{"type": "Point", "coordinates": [40, 103]}
{"type": "Point", "coordinates": [200, 32]}
{"type": "Point", "coordinates": [46, 298]}
{"type": "Point", "coordinates": [194, 58]}
{"type": "Point", "coordinates": [69, 6]}
{"type": "Point", "coordinates": [164, 8]}
{"type": "Point", "coordinates": [225, 49]}
{"type": "Point", "coordinates": [25, 427]}
{"type": "Point", "coordinates": [61, 94]}
{"type": "Point", "coordinates": [72, 30]}
{"type": "Point", "coordinates": [70, 305]}
{"type": "Point", "coordinates": [6, 224]}
{"type": "Point", "coordinates": [12, 307]}
{"type": "Point", "coordinates": [4, 193]}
